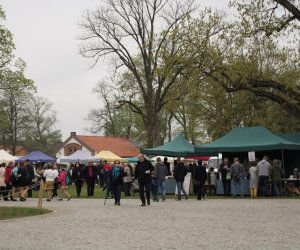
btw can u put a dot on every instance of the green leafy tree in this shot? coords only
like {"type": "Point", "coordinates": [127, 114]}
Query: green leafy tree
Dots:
{"type": "Point", "coordinates": [6, 42]}
{"type": "Point", "coordinates": [111, 28]}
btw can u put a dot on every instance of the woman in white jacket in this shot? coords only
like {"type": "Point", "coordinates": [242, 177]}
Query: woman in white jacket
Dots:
{"type": "Point", "coordinates": [50, 176]}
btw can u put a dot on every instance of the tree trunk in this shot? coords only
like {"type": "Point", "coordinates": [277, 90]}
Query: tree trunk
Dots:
{"type": "Point", "coordinates": [153, 135]}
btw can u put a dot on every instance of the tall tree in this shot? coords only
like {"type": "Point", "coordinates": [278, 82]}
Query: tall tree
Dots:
{"type": "Point", "coordinates": [6, 42]}
{"type": "Point", "coordinates": [120, 27]}
{"type": "Point", "coordinates": [271, 30]}
{"type": "Point", "coordinates": [13, 102]}
{"type": "Point", "coordinates": [40, 132]}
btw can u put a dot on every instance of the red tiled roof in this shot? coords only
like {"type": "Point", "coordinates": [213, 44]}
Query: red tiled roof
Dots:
{"type": "Point", "coordinates": [118, 145]}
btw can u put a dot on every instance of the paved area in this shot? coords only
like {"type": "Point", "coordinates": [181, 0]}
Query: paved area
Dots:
{"type": "Point", "coordinates": [210, 224]}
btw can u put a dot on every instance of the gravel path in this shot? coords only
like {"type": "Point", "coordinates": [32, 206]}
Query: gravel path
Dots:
{"type": "Point", "coordinates": [210, 224]}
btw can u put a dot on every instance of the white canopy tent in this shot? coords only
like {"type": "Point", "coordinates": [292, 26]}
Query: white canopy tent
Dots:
{"type": "Point", "coordinates": [6, 157]}
{"type": "Point", "coordinates": [79, 156]}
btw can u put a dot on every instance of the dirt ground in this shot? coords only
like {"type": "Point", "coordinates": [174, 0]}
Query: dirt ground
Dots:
{"type": "Point", "coordinates": [211, 224]}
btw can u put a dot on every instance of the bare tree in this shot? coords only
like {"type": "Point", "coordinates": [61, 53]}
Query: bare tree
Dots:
{"type": "Point", "coordinates": [40, 132]}
{"type": "Point", "coordinates": [103, 117]}
{"type": "Point", "coordinates": [138, 33]}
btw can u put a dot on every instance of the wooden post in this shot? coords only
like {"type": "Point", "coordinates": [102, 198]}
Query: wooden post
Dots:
{"type": "Point", "coordinates": [41, 192]}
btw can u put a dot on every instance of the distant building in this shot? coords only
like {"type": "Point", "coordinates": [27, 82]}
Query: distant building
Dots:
{"type": "Point", "coordinates": [120, 146]}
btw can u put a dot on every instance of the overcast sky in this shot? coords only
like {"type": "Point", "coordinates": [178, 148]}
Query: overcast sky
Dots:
{"type": "Point", "coordinates": [45, 34]}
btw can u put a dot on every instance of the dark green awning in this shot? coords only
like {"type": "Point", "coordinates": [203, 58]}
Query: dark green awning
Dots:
{"type": "Point", "coordinates": [179, 146]}
{"type": "Point", "coordinates": [248, 139]}
{"type": "Point", "coordinates": [293, 137]}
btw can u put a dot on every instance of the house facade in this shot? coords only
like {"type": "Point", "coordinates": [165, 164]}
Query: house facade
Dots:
{"type": "Point", "coordinates": [120, 146]}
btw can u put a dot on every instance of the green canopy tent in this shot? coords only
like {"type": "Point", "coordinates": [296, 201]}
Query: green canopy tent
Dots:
{"type": "Point", "coordinates": [179, 146]}
{"type": "Point", "coordinates": [293, 137]}
{"type": "Point", "coordinates": [292, 157]}
{"type": "Point", "coordinates": [247, 139]}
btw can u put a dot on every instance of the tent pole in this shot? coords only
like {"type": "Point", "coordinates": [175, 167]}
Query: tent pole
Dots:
{"type": "Point", "coordinates": [283, 165]}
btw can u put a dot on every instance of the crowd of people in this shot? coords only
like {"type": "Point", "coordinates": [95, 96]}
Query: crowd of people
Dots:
{"type": "Point", "coordinates": [20, 179]}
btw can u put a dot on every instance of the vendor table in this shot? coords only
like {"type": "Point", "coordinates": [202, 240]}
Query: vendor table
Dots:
{"type": "Point", "coordinates": [220, 191]}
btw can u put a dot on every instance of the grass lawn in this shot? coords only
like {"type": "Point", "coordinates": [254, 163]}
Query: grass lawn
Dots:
{"type": "Point", "coordinates": [99, 194]}
{"type": "Point", "coordinates": [17, 212]}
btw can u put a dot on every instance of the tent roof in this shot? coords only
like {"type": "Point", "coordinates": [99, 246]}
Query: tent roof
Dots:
{"type": "Point", "coordinates": [108, 155]}
{"type": "Point", "coordinates": [179, 146]}
{"type": "Point", "coordinates": [79, 156]}
{"type": "Point", "coordinates": [37, 156]}
{"type": "Point", "coordinates": [6, 157]}
{"type": "Point", "coordinates": [136, 159]}
{"type": "Point", "coordinates": [248, 139]}
{"type": "Point", "coordinates": [293, 137]}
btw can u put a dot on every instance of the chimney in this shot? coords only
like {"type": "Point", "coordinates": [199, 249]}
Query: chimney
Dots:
{"type": "Point", "coordinates": [73, 134]}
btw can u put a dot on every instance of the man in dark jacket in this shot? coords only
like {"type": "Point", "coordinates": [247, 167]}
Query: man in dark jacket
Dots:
{"type": "Point", "coordinates": [167, 164]}
{"type": "Point", "coordinates": [180, 172]}
{"type": "Point", "coordinates": [200, 177]}
{"type": "Point", "coordinates": [90, 175]}
{"type": "Point", "coordinates": [142, 173]}
{"type": "Point", "coordinates": [77, 177]}
{"type": "Point", "coordinates": [226, 176]}
{"type": "Point", "coordinates": [31, 176]}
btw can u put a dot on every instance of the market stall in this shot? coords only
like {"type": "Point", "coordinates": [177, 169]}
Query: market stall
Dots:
{"type": "Point", "coordinates": [36, 157]}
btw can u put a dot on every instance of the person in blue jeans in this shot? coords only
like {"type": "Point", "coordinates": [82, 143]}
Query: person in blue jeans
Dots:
{"type": "Point", "coordinates": [238, 176]}
{"type": "Point", "coordinates": [160, 173]}
{"type": "Point", "coordinates": [263, 171]}
{"type": "Point", "coordinates": [116, 180]}
{"type": "Point", "coordinates": [180, 171]}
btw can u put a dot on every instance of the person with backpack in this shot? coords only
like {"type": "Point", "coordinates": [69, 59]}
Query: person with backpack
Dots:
{"type": "Point", "coordinates": [14, 177]}
{"type": "Point", "coordinates": [116, 180]}
{"type": "Point", "coordinates": [237, 173]}
{"type": "Point", "coordinates": [7, 180]}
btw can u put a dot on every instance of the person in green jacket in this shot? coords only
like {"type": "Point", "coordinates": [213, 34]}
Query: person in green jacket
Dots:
{"type": "Point", "coordinates": [276, 174]}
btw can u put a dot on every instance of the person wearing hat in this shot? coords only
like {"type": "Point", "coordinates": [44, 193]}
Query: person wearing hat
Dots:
{"type": "Point", "coordinates": [116, 180]}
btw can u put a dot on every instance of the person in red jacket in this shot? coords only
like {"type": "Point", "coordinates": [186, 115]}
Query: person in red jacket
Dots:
{"type": "Point", "coordinates": [7, 181]}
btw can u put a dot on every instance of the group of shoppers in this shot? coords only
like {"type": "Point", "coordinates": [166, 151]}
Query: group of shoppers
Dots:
{"type": "Point", "coordinates": [17, 179]}
{"type": "Point", "coordinates": [20, 179]}
{"type": "Point", "coordinates": [260, 174]}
